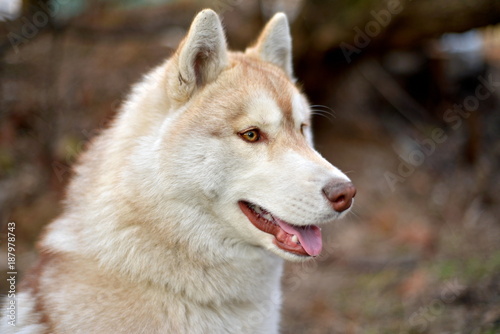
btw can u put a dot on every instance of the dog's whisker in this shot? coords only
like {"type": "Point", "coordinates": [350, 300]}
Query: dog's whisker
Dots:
{"type": "Point", "coordinates": [317, 106]}
{"type": "Point", "coordinates": [324, 114]}
{"type": "Point", "coordinates": [323, 109]}
{"type": "Point", "coordinates": [355, 214]}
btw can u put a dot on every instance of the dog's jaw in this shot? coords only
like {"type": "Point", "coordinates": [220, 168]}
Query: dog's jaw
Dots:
{"type": "Point", "coordinates": [302, 241]}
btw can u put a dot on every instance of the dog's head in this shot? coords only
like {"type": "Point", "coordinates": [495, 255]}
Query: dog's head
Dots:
{"type": "Point", "coordinates": [237, 141]}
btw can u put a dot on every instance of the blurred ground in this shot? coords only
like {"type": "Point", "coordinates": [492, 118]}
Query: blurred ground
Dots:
{"type": "Point", "coordinates": [421, 251]}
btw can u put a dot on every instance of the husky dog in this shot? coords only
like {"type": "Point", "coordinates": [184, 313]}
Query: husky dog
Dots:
{"type": "Point", "coordinates": [180, 214]}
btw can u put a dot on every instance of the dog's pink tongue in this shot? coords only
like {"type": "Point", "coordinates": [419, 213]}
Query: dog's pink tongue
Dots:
{"type": "Point", "coordinates": [309, 236]}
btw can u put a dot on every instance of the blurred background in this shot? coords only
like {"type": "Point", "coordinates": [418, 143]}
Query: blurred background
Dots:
{"type": "Point", "coordinates": [407, 102]}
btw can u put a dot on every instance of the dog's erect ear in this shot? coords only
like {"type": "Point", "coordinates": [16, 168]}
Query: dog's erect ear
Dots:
{"type": "Point", "coordinates": [201, 56]}
{"type": "Point", "coordinates": [275, 44]}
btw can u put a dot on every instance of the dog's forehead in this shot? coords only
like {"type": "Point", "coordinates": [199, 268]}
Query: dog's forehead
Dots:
{"type": "Point", "coordinates": [300, 108]}
{"type": "Point", "coordinates": [250, 93]}
{"type": "Point", "coordinates": [270, 109]}
{"type": "Point", "coordinates": [270, 94]}
{"type": "Point", "coordinates": [263, 108]}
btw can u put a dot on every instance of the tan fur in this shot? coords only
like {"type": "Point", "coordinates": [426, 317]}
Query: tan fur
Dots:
{"type": "Point", "coordinates": [152, 239]}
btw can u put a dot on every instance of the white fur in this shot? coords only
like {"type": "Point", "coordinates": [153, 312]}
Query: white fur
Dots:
{"type": "Point", "coordinates": [275, 44]}
{"type": "Point", "coordinates": [152, 239]}
{"type": "Point", "coordinates": [204, 54]}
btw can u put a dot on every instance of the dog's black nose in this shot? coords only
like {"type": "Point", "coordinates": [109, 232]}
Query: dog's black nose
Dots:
{"type": "Point", "coordinates": [340, 194]}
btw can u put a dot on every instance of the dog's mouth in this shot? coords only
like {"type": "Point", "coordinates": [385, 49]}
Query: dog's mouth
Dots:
{"type": "Point", "coordinates": [299, 240]}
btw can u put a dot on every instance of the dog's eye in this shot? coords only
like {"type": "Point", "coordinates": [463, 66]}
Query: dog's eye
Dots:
{"type": "Point", "coordinates": [303, 128]}
{"type": "Point", "coordinates": [251, 136]}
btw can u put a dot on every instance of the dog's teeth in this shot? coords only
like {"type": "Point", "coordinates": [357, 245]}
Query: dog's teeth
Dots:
{"type": "Point", "coordinates": [257, 209]}
{"type": "Point", "coordinates": [295, 239]}
{"type": "Point", "coordinates": [267, 216]}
